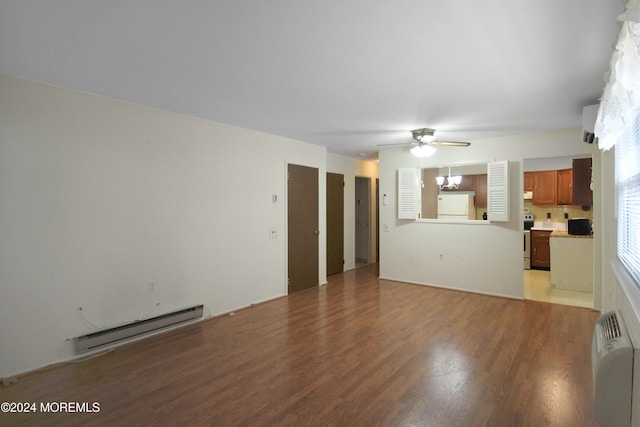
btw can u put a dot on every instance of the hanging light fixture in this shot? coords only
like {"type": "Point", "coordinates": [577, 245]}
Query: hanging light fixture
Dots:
{"type": "Point", "coordinates": [452, 181]}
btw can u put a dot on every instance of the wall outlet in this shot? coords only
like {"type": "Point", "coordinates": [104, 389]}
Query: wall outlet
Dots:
{"type": "Point", "coordinates": [273, 233]}
{"type": "Point", "coordinates": [152, 287]}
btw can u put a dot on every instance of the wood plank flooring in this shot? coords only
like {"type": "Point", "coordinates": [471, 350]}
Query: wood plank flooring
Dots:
{"type": "Point", "coordinates": [357, 352]}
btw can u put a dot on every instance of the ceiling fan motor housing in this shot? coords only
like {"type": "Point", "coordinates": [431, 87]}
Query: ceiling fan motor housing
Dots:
{"type": "Point", "coordinates": [418, 134]}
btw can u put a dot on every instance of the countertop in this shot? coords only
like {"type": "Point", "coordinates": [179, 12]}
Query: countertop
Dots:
{"type": "Point", "coordinates": [564, 234]}
{"type": "Point", "coordinates": [558, 229]}
{"type": "Point", "coordinates": [561, 233]}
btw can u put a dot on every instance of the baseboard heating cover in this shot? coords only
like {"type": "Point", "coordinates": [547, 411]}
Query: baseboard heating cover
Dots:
{"type": "Point", "coordinates": [102, 337]}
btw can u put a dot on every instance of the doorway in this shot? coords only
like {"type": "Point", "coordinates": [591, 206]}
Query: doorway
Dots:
{"type": "Point", "coordinates": [335, 223]}
{"type": "Point", "coordinates": [362, 220]}
{"type": "Point", "coordinates": [303, 231]}
{"type": "Point", "coordinates": [550, 199]}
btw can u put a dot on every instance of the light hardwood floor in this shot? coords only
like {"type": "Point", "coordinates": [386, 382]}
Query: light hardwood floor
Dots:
{"type": "Point", "coordinates": [357, 352]}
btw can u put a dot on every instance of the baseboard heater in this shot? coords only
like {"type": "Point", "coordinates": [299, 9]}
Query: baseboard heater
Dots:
{"type": "Point", "coordinates": [118, 333]}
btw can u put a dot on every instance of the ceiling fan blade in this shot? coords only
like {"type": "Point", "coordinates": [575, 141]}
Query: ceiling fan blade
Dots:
{"type": "Point", "coordinates": [396, 144]}
{"type": "Point", "coordinates": [451, 143]}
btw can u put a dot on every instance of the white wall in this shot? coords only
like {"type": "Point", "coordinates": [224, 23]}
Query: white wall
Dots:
{"type": "Point", "coordinates": [100, 198]}
{"type": "Point", "coordinates": [477, 257]}
{"type": "Point", "coordinates": [352, 168]}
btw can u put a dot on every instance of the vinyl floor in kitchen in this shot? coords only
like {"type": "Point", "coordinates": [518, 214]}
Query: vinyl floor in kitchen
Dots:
{"type": "Point", "coordinates": [537, 287]}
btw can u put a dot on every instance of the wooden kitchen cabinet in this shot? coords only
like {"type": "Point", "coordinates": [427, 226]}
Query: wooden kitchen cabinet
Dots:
{"type": "Point", "coordinates": [528, 181]}
{"type": "Point", "coordinates": [540, 251]}
{"type": "Point", "coordinates": [545, 187]}
{"type": "Point", "coordinates": [481, 190]}
{"type": "Point", "coordinates": [582, 193]}
{"type": "Point", "coordinates": [565, 187]}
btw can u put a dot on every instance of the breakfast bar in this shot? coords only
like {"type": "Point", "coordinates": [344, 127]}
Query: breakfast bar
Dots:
{"type": "Point", "coordinates": [571, 261]}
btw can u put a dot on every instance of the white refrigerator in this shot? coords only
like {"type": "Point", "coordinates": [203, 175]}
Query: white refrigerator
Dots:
{"type": "Point", "coordinates": [456, 206]}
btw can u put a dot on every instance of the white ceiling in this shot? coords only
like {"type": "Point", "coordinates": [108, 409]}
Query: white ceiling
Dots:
{"type": "Point", "coordinates": [346, 74]}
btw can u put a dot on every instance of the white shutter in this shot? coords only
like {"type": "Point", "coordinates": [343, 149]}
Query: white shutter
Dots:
{"type": "Point", "coordinates": [407, 193]}
{"type": "Point", "coordinates": [498, 191]}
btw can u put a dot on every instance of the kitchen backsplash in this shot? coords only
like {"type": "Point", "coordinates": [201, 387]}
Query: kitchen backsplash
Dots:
{"type": "Point", "coordinates": [540, 212]}
{"type": "Point", "coordinates": [557, 212]}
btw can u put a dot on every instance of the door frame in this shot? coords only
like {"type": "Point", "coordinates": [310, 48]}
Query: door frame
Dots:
{"type": "Point", "coordinates": [370, 256]}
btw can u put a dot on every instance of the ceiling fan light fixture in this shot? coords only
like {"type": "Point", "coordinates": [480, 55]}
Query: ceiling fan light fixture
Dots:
{"type": "Point", "coordinates": [427, 139]}
{"type": "Point", "coordinates": [423, 150]}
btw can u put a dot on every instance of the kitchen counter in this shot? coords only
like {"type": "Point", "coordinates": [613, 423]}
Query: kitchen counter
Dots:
{"type": "Point", "coordinates": [543, 229]}
{"type": "Point", "coordinates": [564, 234]}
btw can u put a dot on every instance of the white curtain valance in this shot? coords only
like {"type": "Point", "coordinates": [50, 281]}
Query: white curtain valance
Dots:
{"type": "Point", "coordinates": [620, 102]}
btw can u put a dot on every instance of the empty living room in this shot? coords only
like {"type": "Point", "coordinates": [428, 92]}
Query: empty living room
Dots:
{"type": "Point", "coordinates": [246, 213]}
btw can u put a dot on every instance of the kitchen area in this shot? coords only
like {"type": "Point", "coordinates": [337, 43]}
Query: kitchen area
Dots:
{"type": "Point", "coordinates": [557, 222]}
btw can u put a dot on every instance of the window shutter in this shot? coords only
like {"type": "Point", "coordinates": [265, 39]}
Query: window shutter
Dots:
{"type": "Point", "coordinates": [498, 191]}
{"type": "Point", "coordinates": [407, 193]}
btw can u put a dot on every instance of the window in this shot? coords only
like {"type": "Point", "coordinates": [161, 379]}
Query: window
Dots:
{"type": "Point", "coordinates": [627, 161]}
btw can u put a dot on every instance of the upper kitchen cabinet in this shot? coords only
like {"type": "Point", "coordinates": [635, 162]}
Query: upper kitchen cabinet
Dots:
{"type": "Point", "coordinates": [545, 187]}
{"type": "Point", "coordinates": [528, 181]}
{"type": "Point", "coordinates": [565, 187]}
{"type": "Point", "coordinates": [582, 193]}
{"type": "Point", "coordinates": [481, 190]}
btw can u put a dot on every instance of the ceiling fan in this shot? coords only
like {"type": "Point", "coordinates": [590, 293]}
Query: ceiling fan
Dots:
{"type": "Point", "coordinates": [425, 142]}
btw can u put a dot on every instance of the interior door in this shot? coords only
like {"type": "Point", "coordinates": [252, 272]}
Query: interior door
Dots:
{"type": "Point", "coordinates": [303, 232]}
{"type": "Point", "coordinates": [362, 219]}
{"type": "Point", "coordinates": [335, 223]}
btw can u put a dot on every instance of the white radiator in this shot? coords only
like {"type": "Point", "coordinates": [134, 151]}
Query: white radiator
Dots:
{"type": "Point", "coordinates": [111, 335]}
{"type": "Point", "coordinates": [612, 365]}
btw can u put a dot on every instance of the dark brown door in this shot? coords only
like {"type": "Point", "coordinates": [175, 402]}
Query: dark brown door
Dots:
{"type": "Point", "coordinates": [335, 223]}
{"type": "Point", "coordinates": [302, 192]}
{"type": "Point", "coordinates": [377, 220]}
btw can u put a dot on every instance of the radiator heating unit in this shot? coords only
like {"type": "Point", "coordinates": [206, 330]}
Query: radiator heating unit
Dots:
{"type": "Point", "coordinates": [612, 365]}
{"type": "Point", "coordinates": [112, 335]}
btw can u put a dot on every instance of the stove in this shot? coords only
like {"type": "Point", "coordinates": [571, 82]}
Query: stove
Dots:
{"type": "Point", "coordinates": [528, 223]}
